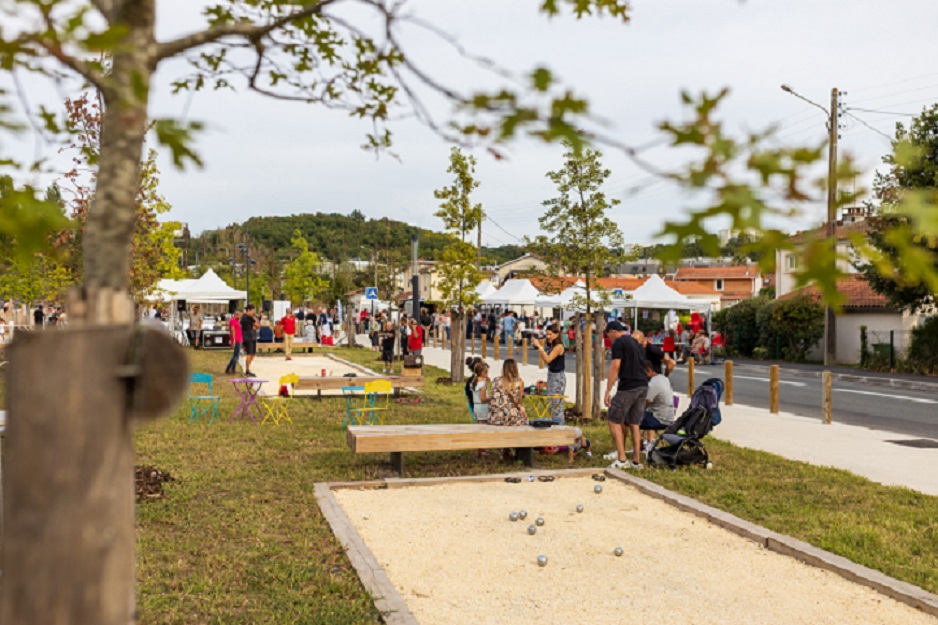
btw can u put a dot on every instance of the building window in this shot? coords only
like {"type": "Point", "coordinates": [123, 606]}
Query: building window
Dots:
{"type": "Point", "coordinates": [792, 261]}
{"type": "Point", "coordinates": [718, 284]}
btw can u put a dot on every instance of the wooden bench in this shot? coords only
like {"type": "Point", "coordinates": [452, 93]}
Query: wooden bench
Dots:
{"type": "Point", "coordinates": [298, 346]}
{"type": "Point", "coordinates": [396, 439]}
{"type": "Point", "coordinates": [331, 383]}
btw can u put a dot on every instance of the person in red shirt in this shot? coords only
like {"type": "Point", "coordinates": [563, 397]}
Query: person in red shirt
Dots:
{"type": "Point", "coordinates": [234, 332]}
{"type": "Point", "coordinates": [667, 346]}
{"type": "Point", "coordinates": [415, 338]}
{"type": "Point", "coordinates": [289, 331]}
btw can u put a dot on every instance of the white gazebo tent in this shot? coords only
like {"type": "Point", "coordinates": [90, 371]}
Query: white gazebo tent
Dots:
{"type": "Point", "coordinates": [658, 295]}
{"type": "Point", "coordinates": [209, 289]}
{"type": "Point", "coordinates": [518, 292]}
{"type": "Point", "coordinates": [484, 289]}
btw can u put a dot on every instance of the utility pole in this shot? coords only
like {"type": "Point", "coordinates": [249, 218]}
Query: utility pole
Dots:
{"type": "Point", "coordinates": [830, 321]}
{"type": "Point", "coordinates": [833, 129]}
{"type": "Point", "coordinates": [415, 280]}
{"type": "Point", "coordinates": [479, 247]}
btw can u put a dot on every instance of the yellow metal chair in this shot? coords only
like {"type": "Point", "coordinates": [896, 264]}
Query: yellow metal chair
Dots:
{"type": "Point", "coordinates": [275, 407]}
{"type": "Point", "coordinates": [373, 404]}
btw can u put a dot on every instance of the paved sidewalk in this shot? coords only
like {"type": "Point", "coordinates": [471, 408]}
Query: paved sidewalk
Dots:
{"type": "Point", "coordinates": [860, 450]}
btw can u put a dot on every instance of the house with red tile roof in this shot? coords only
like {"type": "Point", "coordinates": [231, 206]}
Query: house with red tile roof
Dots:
{"type": "Point", "coordinates": [862, 307]}
{"type": "Point", "coordinates": [734, 283]}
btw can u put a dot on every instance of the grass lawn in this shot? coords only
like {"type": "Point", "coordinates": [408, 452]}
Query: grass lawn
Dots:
{"type": "Point", "coordinates": [239, 537]}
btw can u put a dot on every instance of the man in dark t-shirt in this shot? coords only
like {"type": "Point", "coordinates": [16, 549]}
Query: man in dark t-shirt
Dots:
{"type": "Point", "coordinates": [249, 327]}
{"type": "Point", "coordinates": [627, 407]}
{"type": "Point", "coordinates": [660, 362]}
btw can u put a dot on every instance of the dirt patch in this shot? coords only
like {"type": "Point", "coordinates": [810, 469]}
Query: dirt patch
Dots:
{"type": "Point", "coordinates": [455, 557]}
{"type": "Point", "coordinates": [149, 482]}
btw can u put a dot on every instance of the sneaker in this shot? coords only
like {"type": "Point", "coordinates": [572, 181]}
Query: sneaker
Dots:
{"type": "Point", "coordinates": [619, 464]}
{"type": "Point", "coordinates": [638, 466]}
{"type": "Point", "coordinates": [250, 374]}
{"type": "Point", "coordinates": [612, 455]}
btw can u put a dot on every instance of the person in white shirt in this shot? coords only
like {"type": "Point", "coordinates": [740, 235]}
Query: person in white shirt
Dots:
{"type": "Point", "coordinates": [659, 403]}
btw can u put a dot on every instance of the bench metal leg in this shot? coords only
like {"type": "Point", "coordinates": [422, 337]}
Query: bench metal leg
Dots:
{"type": "Point", "coordinates": [526, 455]}
{"type": "Point", "coordinates": [397, 461]}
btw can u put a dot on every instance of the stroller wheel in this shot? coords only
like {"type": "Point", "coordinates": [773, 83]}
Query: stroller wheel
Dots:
{"type": "Point", "coordinates": [709, 465]}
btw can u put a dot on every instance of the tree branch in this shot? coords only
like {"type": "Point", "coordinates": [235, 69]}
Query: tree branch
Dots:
{"type": "Point", "coordinates": [251, 32]}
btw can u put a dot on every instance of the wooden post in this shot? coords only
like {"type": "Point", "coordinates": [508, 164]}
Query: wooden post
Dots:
{"type": "Point", "coordinates": [495, 346]}
{"type": "Point", "coordinates": [588, 368]}
{"type": "Point", "coordinates": [728, 383]}
{"type": "Point", "coordinates": [599, 362]}
{"type": "Point", "coordinates": [690, 377]}
{"type": "Point", "coordinates": [68, 514]}
{"type": "Point", "coordinates": [773, 389]}
{"type": "Point", "coordinates": [524, 351]}
{"type": "Point", "coordinates": [827, 399]}
{"type": "Point", "coordinates": [484, 346]}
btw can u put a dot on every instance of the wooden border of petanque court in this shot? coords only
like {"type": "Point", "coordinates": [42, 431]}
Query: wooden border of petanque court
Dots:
{"type": "Point", "coordinates": [393, 607]}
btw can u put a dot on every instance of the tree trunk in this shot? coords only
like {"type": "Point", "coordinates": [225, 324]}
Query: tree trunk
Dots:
{"type": "Point", "coordinates": [599, 361]}
{"type": "Point", "coordinates": [578, 342]}
{"type": "Point", "coordinates": [351, 341]}
{"type": "Point", "coordinates": [457, 362]}
{"type": "Point", "coordinates": [588, 367]}
{"type": "Point", "coordinates": [109, 228]}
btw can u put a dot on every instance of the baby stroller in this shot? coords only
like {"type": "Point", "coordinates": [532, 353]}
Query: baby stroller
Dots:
{"type": "Point", "coordinates": [680, 444]}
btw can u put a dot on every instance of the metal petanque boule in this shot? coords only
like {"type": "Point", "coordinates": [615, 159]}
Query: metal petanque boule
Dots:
{"type": "Point", "coordinates": [513, 517]}
{"type": "Point", "coordinates": [539, 522]}
{"type": "Point", "coordinates": [618, 551]}
{"type": "Point", "coordinates": [597, 489]}
{"type": "Point", "coordinates": [542, 561]}
{"type": "Point", "coordinates": [579, 508]}
{"type": "Point", "coordinates": [522, 515]}
{"type": "Point", "coordinates": [532, 530]}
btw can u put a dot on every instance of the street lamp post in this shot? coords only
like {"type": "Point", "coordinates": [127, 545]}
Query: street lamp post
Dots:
{"type": "Point", "coordinates": [830, 322]}
{"type": "Point", "coordinates": [248, 261]}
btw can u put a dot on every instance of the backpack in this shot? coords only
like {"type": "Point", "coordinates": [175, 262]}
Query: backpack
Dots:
{"type": "Point", "coordinates": [707, 396]}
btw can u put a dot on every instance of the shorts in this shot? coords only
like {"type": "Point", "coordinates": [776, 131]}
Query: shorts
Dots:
{"type": "Point", "coordinates": [628, 407]}
{"type": "Point", "coordinates": [249, 347]}
{"type": "Point", "coordinates": [651, 422]}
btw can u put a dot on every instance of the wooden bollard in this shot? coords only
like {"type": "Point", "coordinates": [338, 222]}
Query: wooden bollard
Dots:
{"type": "Point", "coordinates": [728, 383]}
{"type": "Point", "coordinates": [484, 346]}
{"type": "Point", "coordinates": [773, 389]}
{"type": "Point", "coordinates": [690, 377]}
{"type": "Point", "coordinates": [524, 351]}
{"type": "Point", "coordinates": [827, 396]}
{"type": "Point", "coordinates": [496, 347]}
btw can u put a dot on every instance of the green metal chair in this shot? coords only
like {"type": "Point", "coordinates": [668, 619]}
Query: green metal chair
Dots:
{"type": "Point", "coordinates": [202, 404]}
{"type": "Point", "coordinates": [353, 413]}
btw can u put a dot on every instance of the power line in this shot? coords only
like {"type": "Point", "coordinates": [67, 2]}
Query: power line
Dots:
{"type": "Point", "coordinates": [503, 230]}
{"type": "Point", "coordinates": [876, 130]}
{"type": "Point", "coordinates": [890, 95]}
{"type": "Point", "coordinates": [855, 108]}
{"type": "Point", "coordinates": [894, 82]}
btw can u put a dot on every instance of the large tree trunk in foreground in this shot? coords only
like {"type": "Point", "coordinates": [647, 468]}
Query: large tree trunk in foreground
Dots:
{"type": "Point", "coordinates": [68, 542]}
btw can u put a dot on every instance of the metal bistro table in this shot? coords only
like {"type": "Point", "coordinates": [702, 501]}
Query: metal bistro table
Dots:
{"type": "Point", "coordinates": [247, 389]}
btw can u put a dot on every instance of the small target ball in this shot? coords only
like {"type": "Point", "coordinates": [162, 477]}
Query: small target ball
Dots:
{"type": "Point", "coordinates": [532, 530]}
{"type": "Point", "coordinates": [579, 508]}
{"type": "Point", "coordinates": [513, 516]}
{"type": "Point", "coordinates": [597, 489]}
{"type": "Point", "coordinates": [542, 561]}
{"type": "Point", "coordinates": [539, 521]}
{"type": "Point", "coordinates": [522, 515]}
{"type": "Point", "coordinates": [618, 551]}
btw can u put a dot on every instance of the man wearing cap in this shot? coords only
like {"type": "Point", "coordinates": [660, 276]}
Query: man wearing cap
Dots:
{"type": "Point", "coordinates": [627, 407]}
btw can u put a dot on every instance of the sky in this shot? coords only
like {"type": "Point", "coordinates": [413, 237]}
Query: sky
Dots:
{"type": "Point", "coordinates": [264, 157]}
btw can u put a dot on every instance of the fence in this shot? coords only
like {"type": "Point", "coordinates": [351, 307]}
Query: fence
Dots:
{"type": "Point", "coordinates": [884, 348]}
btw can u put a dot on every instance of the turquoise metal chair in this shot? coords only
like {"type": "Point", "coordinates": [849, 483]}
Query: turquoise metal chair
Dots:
{"type": "Point", "coordinates": [353, 413]}
{"type": "Point", "coordinates": [202, 404]}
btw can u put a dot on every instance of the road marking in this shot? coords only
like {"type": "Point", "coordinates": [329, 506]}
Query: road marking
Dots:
{"type": "Point", "coordinates": [788, 382]}
{"type": "Point", "coordinates": [917, 400]}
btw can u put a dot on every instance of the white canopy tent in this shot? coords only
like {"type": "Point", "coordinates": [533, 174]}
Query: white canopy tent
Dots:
{"type": "Point", "coordinates": [484, 289]}
{"type": "Point", "coordinates": [656, 294]}
{"type": "Point", "coordinates": [519, 292]}
{"type": "Point", "coordinates": [209, 289]}
{"type": "Point", "coordinates": [166, 289]}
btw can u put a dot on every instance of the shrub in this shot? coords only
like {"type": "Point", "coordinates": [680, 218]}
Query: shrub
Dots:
{"type": "Point", "coordinates": [799, 323]}
{"type": "Point", "coordinates": [923, 350]}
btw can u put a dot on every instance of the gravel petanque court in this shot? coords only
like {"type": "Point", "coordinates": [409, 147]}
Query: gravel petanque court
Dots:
{"type": "Point", "coordinates": [455, 557]}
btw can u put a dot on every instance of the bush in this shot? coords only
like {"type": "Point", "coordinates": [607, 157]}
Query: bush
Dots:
{"type": "Point", "coordinates": [799, 323]}
{"type": "Point", "coordinates": [761, 328]}
{"type": "Point", "coordinates": [923, 350]}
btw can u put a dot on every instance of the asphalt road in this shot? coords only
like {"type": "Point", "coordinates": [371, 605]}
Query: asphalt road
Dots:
{"type": "Point", "coordinates": [913, 413]}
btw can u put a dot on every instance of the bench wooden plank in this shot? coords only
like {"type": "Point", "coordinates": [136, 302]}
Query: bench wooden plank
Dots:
{"type": "Point", "coordinates": [315, 383]}
{"type": "Point", "coordinates": [437, 437]}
